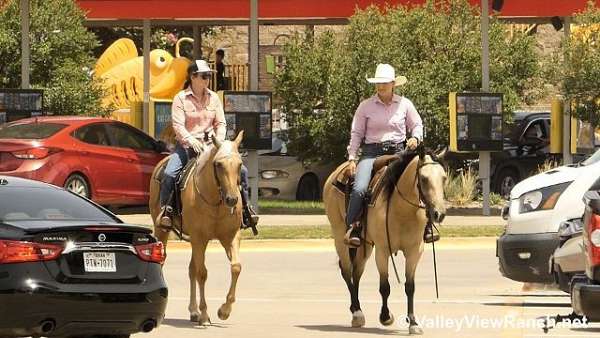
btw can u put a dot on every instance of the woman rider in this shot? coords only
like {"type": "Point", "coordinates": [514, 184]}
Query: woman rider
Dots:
{"type": "Point", "coordinates": [196, 110]}
{"type": "Point", "coordinates": [380, 126]}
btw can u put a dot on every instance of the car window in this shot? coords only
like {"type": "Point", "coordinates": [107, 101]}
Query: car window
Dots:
{"type": "Point", "coordinates": [128, 137]}
{"type": "Point", "coordinates": [21, 203]}
{"type": "Point", "coordinates": [93, 134]}
{"type": "Point", "coordinates": [536, 129]}
{"type": "Point", "coordinates": [30, 130]}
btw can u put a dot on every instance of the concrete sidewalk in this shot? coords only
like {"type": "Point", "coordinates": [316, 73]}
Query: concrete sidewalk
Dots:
{"type": "Point", "coordinates": [304, 220]}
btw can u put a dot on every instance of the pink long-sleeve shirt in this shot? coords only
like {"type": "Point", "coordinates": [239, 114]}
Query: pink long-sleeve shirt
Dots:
{"type": "Point", "coordinates": [376, 122]}
{"type": "Point", "coordinates": [191, 117]}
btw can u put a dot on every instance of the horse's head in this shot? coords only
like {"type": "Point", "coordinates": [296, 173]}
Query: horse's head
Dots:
{"type": "Point", "coordinates": [432, 179]}
{"type": "Point", "coordinates": [227, 164]}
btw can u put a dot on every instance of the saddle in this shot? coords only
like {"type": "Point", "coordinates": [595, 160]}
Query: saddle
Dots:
{"type": "Point", "coordinates": [182, 180]}
{"type": "Point", "coordinates": [344, 182]}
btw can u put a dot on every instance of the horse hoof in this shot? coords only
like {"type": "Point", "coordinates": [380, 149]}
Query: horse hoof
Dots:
{"type": "Point", "coordinates": [204, 321]}
{"type": "Point", "coordinates": [387, 322]}
{"type": "Point", "coordinates": [194, 318]}
{"type": "Point", "coordinates": [358, 319]}
{"type": "Point", "coordinates": [415, 330]}
{"type": "Point", "coordinates": [224, 312]}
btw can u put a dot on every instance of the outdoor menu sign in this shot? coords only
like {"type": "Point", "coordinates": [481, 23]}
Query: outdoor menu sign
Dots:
{"type": "Point", "coordinates": [476, 122]}
{"type": "Point", "coordinates": [251, 112]}
{"type": "Point", "coordinates": [18, 104]}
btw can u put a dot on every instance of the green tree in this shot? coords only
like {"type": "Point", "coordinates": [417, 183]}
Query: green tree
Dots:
{"type": "Point", "coordinates": [437, 46]}
{"type": "Point", "coordinates": [61, 56]}
{"type": "Point", "coordinates": [576, 66]}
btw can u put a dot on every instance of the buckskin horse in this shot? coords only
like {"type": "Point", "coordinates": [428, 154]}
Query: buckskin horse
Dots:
{"type": "Point", "coordinates": [211, 209]}
{"type": "Point", "coordinates": [413, 189]}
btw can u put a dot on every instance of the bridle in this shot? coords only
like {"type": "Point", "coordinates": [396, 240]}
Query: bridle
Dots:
{"type": "Point", "coordinates": [219, 187]}
{"type": "Point", "coordinates": [422, 203]}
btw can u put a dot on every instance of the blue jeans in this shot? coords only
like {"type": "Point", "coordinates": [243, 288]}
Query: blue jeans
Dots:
{"type": "Point", "coordinates": [364, 169]}
{"type": "Point", "coordinates": [177, 161]}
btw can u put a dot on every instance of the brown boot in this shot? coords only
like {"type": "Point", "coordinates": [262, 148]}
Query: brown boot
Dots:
{"type": "Point", "coordinates": [165, 217]}
{"type": "Point", "coordinates": [250, 218]}
{"type": "Point", "coordinates": [352, 237]}
{"type": "Point", "coordinates": [430, 235]}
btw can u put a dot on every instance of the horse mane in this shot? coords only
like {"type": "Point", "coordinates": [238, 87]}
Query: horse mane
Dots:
{"type": "Point", "coordinates": [394, 171]}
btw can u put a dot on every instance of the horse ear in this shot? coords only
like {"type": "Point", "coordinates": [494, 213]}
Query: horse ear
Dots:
{"type": "Point", "coordinates": [441, 155]}
{"type": "Point", "coordinates": [238, 138]}
{"type": "Point", "coordinates": [421, 151]}
{"type": "Point", "coordinates": [216, 141]}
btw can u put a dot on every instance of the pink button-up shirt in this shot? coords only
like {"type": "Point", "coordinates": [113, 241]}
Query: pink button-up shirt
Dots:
{"type": "Point", "coordinates": [191, 118]}
{"type": "Point", "coordinates": [375, 122]}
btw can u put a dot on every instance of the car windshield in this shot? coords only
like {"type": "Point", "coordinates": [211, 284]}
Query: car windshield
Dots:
{"type": "Point", "coordinates": [592, 159]}
{"type": "Point", "coordinates": [28, 131]}
{"type": "Point", "coordinates": [36, 204]}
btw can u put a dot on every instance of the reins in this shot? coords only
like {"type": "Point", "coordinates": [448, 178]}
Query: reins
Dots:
{"type": "Point", "coordinates": [421, 205]}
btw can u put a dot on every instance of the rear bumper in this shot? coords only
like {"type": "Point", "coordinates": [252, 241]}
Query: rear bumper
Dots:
{"type": "Point", "coordinates": [534, 269]}
{"type": "Point", "coordinates": [80, 309]}
{"type": "Point", "coordinates": [586, 300]}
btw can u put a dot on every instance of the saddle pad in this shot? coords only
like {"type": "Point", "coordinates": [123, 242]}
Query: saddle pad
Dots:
{"type": "Point", "coordinates": [197, 162]}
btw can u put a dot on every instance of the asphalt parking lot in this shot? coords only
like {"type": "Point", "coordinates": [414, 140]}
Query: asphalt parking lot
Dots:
{"type": "Point", "coordinates": [293, 289]}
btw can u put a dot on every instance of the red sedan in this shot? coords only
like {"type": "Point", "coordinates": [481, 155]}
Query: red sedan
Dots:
{"type": "Point", "coordinates": [105, 160]}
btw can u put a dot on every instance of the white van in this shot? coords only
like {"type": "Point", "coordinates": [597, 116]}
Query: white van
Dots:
{"type": "Point", "coordinates": [537, 206]}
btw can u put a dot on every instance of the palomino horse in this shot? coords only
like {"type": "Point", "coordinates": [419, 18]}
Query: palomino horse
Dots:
{"type": "Point", "coordinates": [212, 209]}
{"type": "Point", "coordinates": [421, 183]}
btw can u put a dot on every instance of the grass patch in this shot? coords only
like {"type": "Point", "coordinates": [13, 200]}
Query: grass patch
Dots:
{"type": "Point", "coordinates": [281, 207]}
{"type": "Point", "coordinates": [324, 232]}
{"type": "Point", "coordinates": [460, 188]}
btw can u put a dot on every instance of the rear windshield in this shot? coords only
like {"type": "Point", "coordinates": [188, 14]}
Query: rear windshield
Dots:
{"type": "Point", "coordinates": [24, 203]}
{"type": "Point", "coordinates": [30, 130]}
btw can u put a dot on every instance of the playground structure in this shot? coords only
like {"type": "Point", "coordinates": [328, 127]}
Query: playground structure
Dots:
{"type": "Point", "coordinates": [121, 70]}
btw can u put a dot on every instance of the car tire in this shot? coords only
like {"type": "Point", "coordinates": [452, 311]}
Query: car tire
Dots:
{"type": "Point", "coordinates": [308, 188]}
{"type": "Point", "coordinates": [77, 184]}
{"type": "Point", "coordinates": [505, 181]}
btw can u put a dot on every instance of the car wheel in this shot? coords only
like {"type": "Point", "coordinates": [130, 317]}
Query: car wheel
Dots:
{"type": "Point", "coordinates": [78, 184]}
{"type": "Point", "coordinates": [308, 188]}
{"type": "Point", "coordinates": [505, 181]}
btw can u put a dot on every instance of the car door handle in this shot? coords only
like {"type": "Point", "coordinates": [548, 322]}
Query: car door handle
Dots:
{"type": "Point", "coordinates": [83, 152]}
{"type": "Point", "coordinates": [129, 159]}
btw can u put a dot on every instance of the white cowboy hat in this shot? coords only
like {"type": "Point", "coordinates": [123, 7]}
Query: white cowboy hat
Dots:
{"type": "Point", "coordinates": [202, 67]}
{"type": "Point", "coordinates": [386, 74]}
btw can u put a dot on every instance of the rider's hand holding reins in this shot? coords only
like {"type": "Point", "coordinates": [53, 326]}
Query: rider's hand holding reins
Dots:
{"type": "Point", "coordinates": [196, 144]}
{"type": "Point", "coordinates": [352, 168]}
{"type": "Point", "coordinates": [412, 143]}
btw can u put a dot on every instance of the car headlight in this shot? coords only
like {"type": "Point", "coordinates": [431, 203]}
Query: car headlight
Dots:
{"type": "Point", "coordinates": [271, 174]}
{"type": "Point", "coordinates": [542, 199]}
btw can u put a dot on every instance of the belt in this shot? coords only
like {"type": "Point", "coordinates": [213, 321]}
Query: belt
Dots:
{"type": "Point", "coordinates": [386, 146]}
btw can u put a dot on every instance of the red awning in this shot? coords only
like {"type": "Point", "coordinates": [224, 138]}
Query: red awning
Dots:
{"type": "Point", "coordinates": [228, 10]}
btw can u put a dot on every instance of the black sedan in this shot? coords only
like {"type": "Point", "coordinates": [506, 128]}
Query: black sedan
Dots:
{"type": "Point", "coordinates": [68, 267]}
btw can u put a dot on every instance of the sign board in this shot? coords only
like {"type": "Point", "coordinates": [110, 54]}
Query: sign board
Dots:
{"type": "Point", "coordinates": [250, 111]}
{"type": "Point", "coordinates": [476, 122]}
{"type": "Point", "coordinates": [160, 112]}
{"type": "Point", "coordinates": [16, 104]}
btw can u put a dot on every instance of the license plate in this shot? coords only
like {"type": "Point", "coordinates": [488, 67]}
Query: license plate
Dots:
{"type": "Point", "coordinates": [99, 262]}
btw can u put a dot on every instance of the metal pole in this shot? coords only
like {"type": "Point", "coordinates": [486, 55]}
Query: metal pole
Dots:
{"type": "Point", "coordinates": [567, 157]}
{"type": "Point", "coordinates": [484, 156]}
{"type": "Point", "coordinates": [25, 51]}
{"type": "Point", "coordinates": [146, 55]}
{"type": "Point", "coordinates": [253, 55]}
{"type": "Point", "coordinates": [197, 43]}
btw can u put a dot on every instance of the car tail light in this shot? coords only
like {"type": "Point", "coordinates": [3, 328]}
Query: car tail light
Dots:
{"type": "Point", "coordinates": [594, 237]}
{"type": "Point", "coordinates": [153, 252]}
{"type": "Point", "coordinates": [19, 252]}
{"type": "Point", "coordinates": [35, 153]}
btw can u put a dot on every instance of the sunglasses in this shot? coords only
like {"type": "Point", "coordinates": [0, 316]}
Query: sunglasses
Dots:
{"type": "Point", "coordinates": [204, 76]}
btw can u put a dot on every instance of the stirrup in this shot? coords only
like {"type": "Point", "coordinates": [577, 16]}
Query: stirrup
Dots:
{"type": "Point", "coordinates": [430, 235]}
